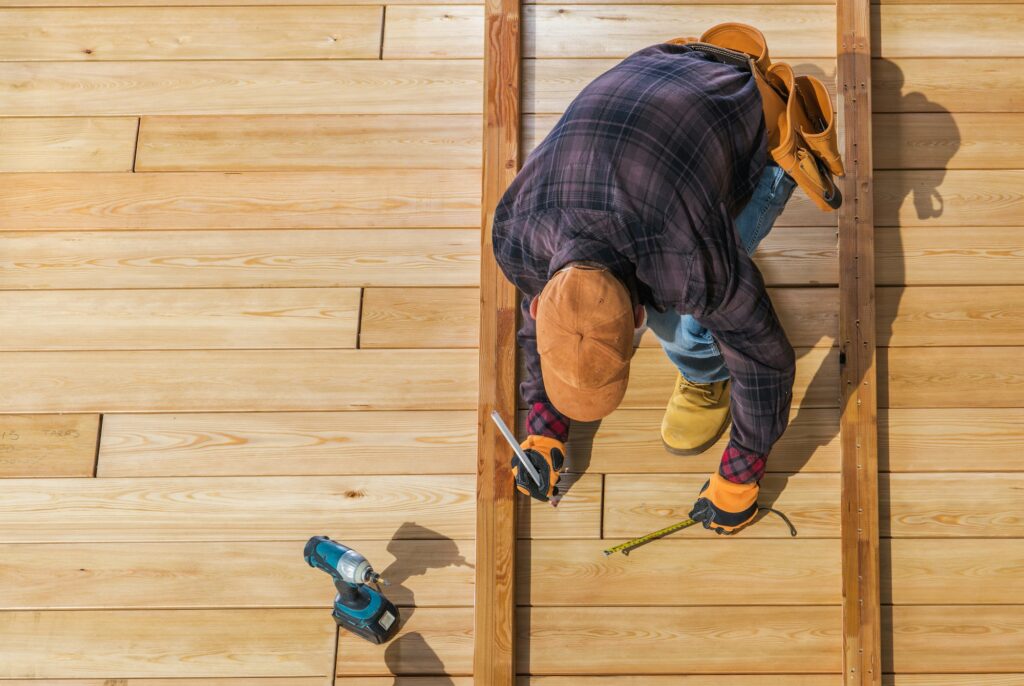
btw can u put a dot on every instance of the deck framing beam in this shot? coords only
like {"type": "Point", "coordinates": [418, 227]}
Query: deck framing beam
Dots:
{"type": "Point", "coordinates": [858, 424]}
{"type": "Point", "coordinates": [494, 634]}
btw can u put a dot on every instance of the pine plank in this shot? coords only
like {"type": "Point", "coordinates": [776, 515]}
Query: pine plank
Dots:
{"type": "Point", "coordinates": [951, 638]}
{"type": "Point", "coordinates": [661, 640]}
{"type": "Point", "coordinates": [236, 381]}
{"type": "Point", "coordinates": [939, 140]}
{"type": "Point", "coordinates": [572, 31]}
{"type": "Point", "coordinates": [158, 33]}
{"type": "Point", "coordinates": [235, 508]}
{"type": "Point", "coordinates": [911, 31]}
{"type": "Point", "coordinates": [549, 85]}
{"type": "Point", "coordinates": [953, 679]}
{"type": "Point", "coordinates": [954, 84]}
{"type": "Point", "coordinates": [420, 318]}
{"type": "Point", "coordinates": [932, 505]}
{"type": "Point", "coordinates": [947, 256]}
{"type": "Point", "coordinates": [636, 504]}
{"type": "Point", "coordinates": [59, 144]}
{"type": "Point", "coordinates": [964, 197]}
{"type": "Point", "coordinates": [953, 440]}
{"type": "Point", "coordinates": [182, 643]}
{"type": "Point", "coordinates": [241, 87]}
{"type": "Point", "coordinates": [959, 571]}
{"type": "Point", "coordinates": [629, 442]}
{"type": "Point", "coordinates": [215, 681]}
{"type": "Point", "coordinates": [951, 377]}
{"type": "Point", "coordinates": [309, 143]}
{"type": "Point", "coordinates": [272, 200]}
{"type": "Point", "coordinates": [434, 32]}
{"type": "Point", "coordinates": [270, 443]}
{"type": "Point", "coordinates": [239, 259]}
{"type": "Point", "coordinates": [799, 256]}
{"type": "Point", "coordinates": [179, 319]}
{"type": "Point", "coordinates": [48, 444]}
{"type": "Point", "coordinates": [979, 315]}
{"type": "Point", "coordinates": [214, 3]}
{"type": "Point", "coordinates": [431, 641]}
{"type": "Point", "coordinates": [576, 573]}
{"type": "Point", "coordinates": [677, 680]}
{"type": "Point", "coordinates": [226, 574]}
{"type": "Point", "coordinates": [578, 514]}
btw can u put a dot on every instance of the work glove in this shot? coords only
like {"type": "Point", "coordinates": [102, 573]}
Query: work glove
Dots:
{"type": "Point", "coordinates": [724, 506]}
{"type": "Point", "coordinates": [547, 455]}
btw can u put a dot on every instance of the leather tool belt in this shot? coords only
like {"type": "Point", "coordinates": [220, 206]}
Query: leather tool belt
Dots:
{"type": "Point", "coordinates": [798, 112]}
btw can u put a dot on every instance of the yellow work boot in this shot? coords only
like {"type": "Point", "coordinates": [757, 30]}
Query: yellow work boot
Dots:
{"type": "Point", "coordinates": [697, 416]}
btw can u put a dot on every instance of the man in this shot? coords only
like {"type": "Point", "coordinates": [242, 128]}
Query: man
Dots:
{"type": "Point", "coordinates": [642, 206]}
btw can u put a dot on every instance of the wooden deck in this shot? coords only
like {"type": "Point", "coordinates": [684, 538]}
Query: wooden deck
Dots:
{"type": "Point", "coordinates": [239, 271]}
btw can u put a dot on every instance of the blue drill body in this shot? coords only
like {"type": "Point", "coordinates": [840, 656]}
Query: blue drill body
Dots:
{"type": "Point", "coordinates": [361, 609]}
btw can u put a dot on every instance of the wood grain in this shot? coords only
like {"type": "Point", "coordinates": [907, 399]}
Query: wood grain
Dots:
{"type": "Point", "coordinates": [420, 318]}
{"type": "Point", "coordinates": [241, 87]}
{"type": "Point", "coordinates": [799, 256]}
{"type": "Point", "coordinates": [431, 641]}
{"type": "Point", "coordinates": [578, 515]}
{"type": "Point", "coordinates": [270, 443]}
{"type": "Point", "coordinates": [674, 680]}
{"type": "Point", "coordinates": [947, 256]}
{"type": "Point", "coordinates": [58, 144]}
{"type": "Point", "coordinates": [636, 504]}
{"type": "Point", "coordinates": [954, 440]}
{"type": "Point", "coordinates": [957, 571]}
{"type": "Point", "coordinates": [236, 381]}
{"type": "Point", "coordinates": [950, 638]}
{"type": "Point", "coordinates": [950, 315]}
{"type": "Point", "coordinates": [586, 640]}
{"type": "Point", "coordinates": [953, 679]}
{"type": "Point", "coordinates": [908, 31]}
{"type": "Point", "coordinates": [919, 505]}
{"type": "Point", "coordinates": [549, 85]}
{"type": "Point", "coordinates": [958, 197]}
{"type": "Point", "coordinates": [939, 140]}
{"type": "Point", "coordinates": [577, 574]}
{"type": "Point", "coordinates": [179, 319]}
{"type": "Point", "coordinates": [48, 444]}
{"type": "Point", "coordinates": [268, 200]}
{"type": "Point", "coordinates": [234, 508]}
{"type": "Point", "coordinates": [954, 84]}
{"type": "Point", "coordinates": [214, 681]}
{"type": "Point", "coordinates": [158, 33]}
{"type": "Point", "coordinates": [181, 643]}
{"type": "Point", "coordinates": [572, 31]}
{"type": "Point", "coordinates": [225, 574]}
{"type": "Point", "coordinates": [434, 32]}
{"type": "Point", "coordinates": [239, 259]}
{"type": "Point", "coordinates": [629, 442]}
{"type": "Point", "coordinates": [309, 142]}
{"type": "Point", "coordinates": [951, 377]}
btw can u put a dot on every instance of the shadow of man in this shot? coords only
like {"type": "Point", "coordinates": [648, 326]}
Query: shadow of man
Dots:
{"type": "Point", "coordinates": [417, 550]}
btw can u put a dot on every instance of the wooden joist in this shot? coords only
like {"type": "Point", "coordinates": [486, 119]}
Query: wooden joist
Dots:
{"type": "Point", "coordinates": [307, 142]}
{"type": "Point", "coordinates": [953, 440]}
{"type": "Point", "coordinates": [948, 84]}
{"type": "Point", "coordinates": [236, 381]}
{"type": "Point", "coordinates": [393, 198]}
{"type": "Point", "coordinates": [420, 318]}
{"type": "Point", "coordinates": [60, 144]}
{"type": "Point", "coordinates": [273, 443]}
{"type": "Point", "coordinates": [48, 444]}
{"type": "Point", "coordinates": [431, 641]}
{"type": "Point", "coordinates": [949, 256]}
{"type": "Point", "coordinates": [35, 260]}
{"type": "Point", "coordinates": [159, 33]}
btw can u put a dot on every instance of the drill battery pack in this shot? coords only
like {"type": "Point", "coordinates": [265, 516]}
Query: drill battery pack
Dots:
{"type": "Point", "coordinates": [371, 615]}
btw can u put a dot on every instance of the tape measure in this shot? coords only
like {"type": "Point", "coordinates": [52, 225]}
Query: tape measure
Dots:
{"type": "Point", "coordinates": [626, 547]}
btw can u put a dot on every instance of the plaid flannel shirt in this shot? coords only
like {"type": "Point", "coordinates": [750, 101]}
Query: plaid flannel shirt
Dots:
{"type": "Point", "coordinates": [644, 173]}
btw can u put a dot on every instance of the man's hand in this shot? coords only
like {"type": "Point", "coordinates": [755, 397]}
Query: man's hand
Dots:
{"type": "Point", "coordinates": [547, 455]}
{"type": "Point", "coordinates": [724, 506]}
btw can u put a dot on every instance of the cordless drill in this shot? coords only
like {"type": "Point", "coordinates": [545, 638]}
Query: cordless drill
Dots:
{"type": "Point", "coordinates": [359, 608]}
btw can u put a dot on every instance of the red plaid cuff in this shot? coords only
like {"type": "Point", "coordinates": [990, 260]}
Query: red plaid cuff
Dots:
{"type": "Point", "coordinates": [544, 420]}
{"type": "Point", "coordinates": [742, 466]}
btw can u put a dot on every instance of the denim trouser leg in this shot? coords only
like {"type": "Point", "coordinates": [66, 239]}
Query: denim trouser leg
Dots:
{"type": "Point", "coordinates": [690, 346]}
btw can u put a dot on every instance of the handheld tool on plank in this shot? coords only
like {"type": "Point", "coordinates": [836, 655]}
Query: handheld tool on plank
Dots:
{"type": "Point", "coordinates": [359, 608]}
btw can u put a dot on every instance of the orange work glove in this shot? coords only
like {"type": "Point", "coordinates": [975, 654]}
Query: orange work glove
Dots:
{"type": "Point", "coordinates": [724, 506]}
{"type": "Point", "coordinates": [547, 455]}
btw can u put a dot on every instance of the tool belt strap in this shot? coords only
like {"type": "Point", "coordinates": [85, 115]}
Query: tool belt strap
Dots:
{"type": "Point", "coordinates": [798, 112]}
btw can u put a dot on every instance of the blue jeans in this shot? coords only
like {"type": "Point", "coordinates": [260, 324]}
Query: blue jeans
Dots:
{"type": "Point", "coordinates": [689, 345]}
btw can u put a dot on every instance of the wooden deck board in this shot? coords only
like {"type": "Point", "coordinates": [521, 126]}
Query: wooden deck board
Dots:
{"type": "Point", "coordinates": [925, 505]}
{"type": "Point", "coordinates": [59, 144]}
{"type": "Point", "coordinates": [48, 445]}
{"type": "Point", "coordinates": [949, 256]}
{"type": "Point", "coordinates": [952, 440]}
{"type": "Point", "coordinates": [950, 84]}
{"type": "Point", "coordinates": [431, 641]}
{"type": "Point", "coordinates": [951, 377]}
{"type": "Point", "coordinates": [420, 318]}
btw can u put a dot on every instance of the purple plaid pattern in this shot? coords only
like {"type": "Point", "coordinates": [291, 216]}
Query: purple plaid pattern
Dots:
{"type": "Point", "coordinates": [741, 467]}
{"type": "Point", "coordinates": [545, 420]}
{"type": "Point", "coordinates": [644, 173]}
